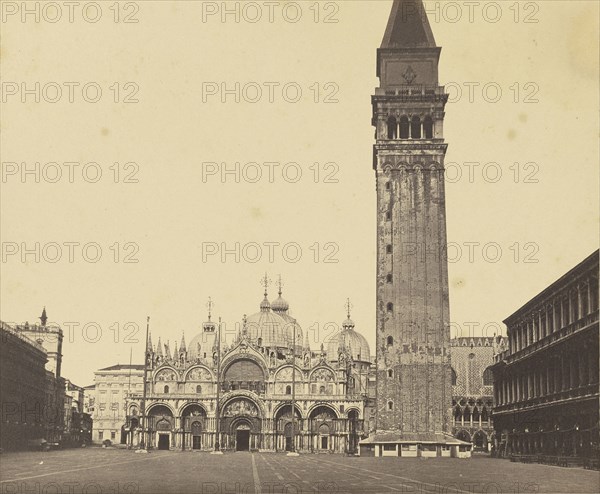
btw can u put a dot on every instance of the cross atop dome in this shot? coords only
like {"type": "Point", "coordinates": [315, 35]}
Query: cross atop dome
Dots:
{"type": "Point", "coordinates": [209, 306]}
{"type": "Point", "coordinates": [265, 281]}
{"type": "Point", "coordinates": [265, 305]}
{"type": "Point", "coordinates": [408, 26]}
{"type": "Point", "coordinates": [348, 306]}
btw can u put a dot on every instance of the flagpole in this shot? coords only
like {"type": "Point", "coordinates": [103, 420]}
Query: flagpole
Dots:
{"type": "Point", "coordinates": [292, 451]}
{"type": "Point", "coordinates": [217, 450]}
{"type": "Point", "coordinates": [144, 444]}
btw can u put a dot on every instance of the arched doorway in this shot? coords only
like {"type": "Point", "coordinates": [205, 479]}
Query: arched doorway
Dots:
{"type": "Point", "coordinates": [241, 421]}
{"type": "Point", "coordinates": [196, 435]}
{"type": "Point", "coordinates": [283, 428]}
{"type": "Point", "coordinates": [241, 430]}
{"type": "Point", "coordinates": [463, 435]}
{"type": "Point", "coordinates": [193, 420]}
{"type": "Point", "coordinates": [322, 426]}
{"type": "Point", "coordinates": [480, 442]}
{"type": "Point", "coordinates": [161, 424]}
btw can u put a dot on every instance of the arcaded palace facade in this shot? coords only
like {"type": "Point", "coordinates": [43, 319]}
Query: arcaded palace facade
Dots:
{"type": "Point", "coordinates": [472, 359]}
{"type": "Point", "coordinates": [546, 382]}
{"type": "Point", "coordinates": [255, 380]}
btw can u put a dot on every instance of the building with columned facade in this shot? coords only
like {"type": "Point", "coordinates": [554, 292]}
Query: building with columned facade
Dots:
{"type": "Point", "coordinates": [546, 382]}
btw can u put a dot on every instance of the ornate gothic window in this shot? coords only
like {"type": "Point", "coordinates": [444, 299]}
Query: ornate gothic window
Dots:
{"type": "Point", "coordinates": [488, 377]}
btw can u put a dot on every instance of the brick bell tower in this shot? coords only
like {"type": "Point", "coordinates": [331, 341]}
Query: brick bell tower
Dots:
{"type": "Point", "coordinates": [414, 393]}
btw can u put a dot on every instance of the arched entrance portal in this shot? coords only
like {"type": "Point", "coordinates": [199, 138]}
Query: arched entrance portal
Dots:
{"type": "Point", "coordinates": [196, 435]}
{"type": "Point", "coordinates": [242, 423]}
{"type": "Point", "coordinates": [283, 429]}
{"type": "Point", "coordinates": [161, 424]}
{"type": "Point", "coordinates": [480, 441]}
{"type": "Point", "coordinates": [193, 420]}
{"type": "Point", "coordinates": [242, 436]}
{"type": "Point", "coordinates": [322, 425]}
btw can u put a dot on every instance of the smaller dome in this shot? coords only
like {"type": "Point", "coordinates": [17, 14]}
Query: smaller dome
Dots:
{"type": "Point", "coordinates": [201, 344]}
{"type": "Point", "coordinates": [348, 324]}
{"type": "Point", "coordinates": [280, 304]}
{"type": "Point", "coordinates": [265, 304]}
{"type": "Point", "coordinates": [350, 340]}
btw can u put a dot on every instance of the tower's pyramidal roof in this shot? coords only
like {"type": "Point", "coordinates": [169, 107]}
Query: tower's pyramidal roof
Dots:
{"type": "Point", "coordinates": [408, 26]}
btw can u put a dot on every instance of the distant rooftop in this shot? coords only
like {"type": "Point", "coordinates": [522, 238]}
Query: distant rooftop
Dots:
{"type": "Point", "coordinates": [123, 367]}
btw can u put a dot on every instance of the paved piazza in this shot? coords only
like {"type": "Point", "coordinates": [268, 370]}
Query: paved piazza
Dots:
{"type": "Point", "coordinates": [96, 470]}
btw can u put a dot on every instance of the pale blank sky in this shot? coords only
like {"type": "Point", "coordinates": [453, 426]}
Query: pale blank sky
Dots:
{"type": "Point", "coordinates": [171, 212]}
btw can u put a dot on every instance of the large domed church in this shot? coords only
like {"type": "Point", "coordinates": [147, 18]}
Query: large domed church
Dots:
{"type": "Point", "coordinates": [242, 392]}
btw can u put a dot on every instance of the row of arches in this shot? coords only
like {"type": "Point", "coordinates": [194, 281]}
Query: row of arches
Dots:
{"type": "Point", "coordinates": [480, 439]}
{"type": "Point", "coordinates": [165, 409]}
{"type": "Point", "coordinates": [244, 370]}
{"type": "Point", "coordinates": [409, 128]}
{"type": "Point", "coordinates": [244, 425]}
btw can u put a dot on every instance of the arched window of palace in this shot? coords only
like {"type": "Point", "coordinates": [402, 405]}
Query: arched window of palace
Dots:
{"type": "Point", "coordinates": [198, 389]}
{"type": "Point", "coordinates": [390, 405]}
{"type": "Point", "coordinates": [415, 127]}
{"type": "Point", "coordinates": [404, 126]}
{"type": "Point", "coordinates": [454, 377]}
{"type": "Point", "coordinates": [288, 390]}
{"type": "Point", "coordinates": [392, 127]}
{"type": "Point", "coordinates": [389, 278]}
{"type": "Point", "coordinates": [322, 390]}
{"type": "Point", "coordinates": [390, 373]}
{"type": "Point", "coordinates": [166, 389]}
{"type": "Point", "coordinates": [390, 340]}
{"type": "Point", "coordinates": [428, 127]}
{"type": "Point", "coordinates": [488, 377]}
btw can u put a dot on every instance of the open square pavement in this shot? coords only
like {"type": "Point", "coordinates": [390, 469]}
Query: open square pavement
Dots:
{"type": "Point", "coordinates": [96, 470]}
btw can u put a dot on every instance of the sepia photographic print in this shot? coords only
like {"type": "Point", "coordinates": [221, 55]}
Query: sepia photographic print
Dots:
{"type": "Point", "coordinates": [308, 246]}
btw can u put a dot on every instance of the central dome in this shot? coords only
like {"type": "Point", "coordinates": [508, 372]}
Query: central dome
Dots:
{"type": "Point", "coordinates": [267, 329]}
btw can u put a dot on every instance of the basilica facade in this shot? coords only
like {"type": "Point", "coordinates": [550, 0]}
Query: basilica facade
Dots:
{"type": "Point", "coordinates": [242, 395]}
